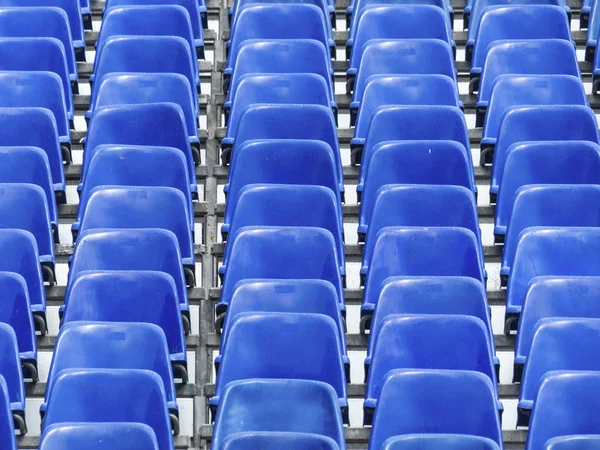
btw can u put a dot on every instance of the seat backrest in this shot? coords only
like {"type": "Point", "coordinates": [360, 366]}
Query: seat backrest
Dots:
{"type": "Point", "coordinates": [439, 441]}
{"type": "Point", "coordinates": [323, 5]}
{"type": "Point", "coordinates": [105, 436]}
{"type": "Point", "coordinates": [7, 434]}
{"type": "Point", "coordinates": [277, 440]}
{"type": "Point", "coordinates": [10, 367]}
{"type": "Point", "coordinates": [16, 312]}
{"type": "Point", "coordinates": [576, 442]}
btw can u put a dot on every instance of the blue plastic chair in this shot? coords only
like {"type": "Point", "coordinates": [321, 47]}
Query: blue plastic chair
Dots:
{"type": "Point", "coordinates": [557, 344]}
{"type": "Point", "coordinates": [29, 165]}
{"type": "Point", "coordinates": [196, 10]}
{"type": "Point", "coordinates": [105, 436]}
{"type": "Point", "coordinates": [128, 395]}
{"type": "Point", "coordinates": [307, 162]}
{"type": "Point", "coordinates": [280, 56]}
{"type": "Point", "coordinates": [441, 252]}
{"type": "Point", "coordinates": [592, 33]}
{"type": "Point", "coordinates": [513, 90]}
{"type": "Point", "coordinates": [86, 13]}
{"type": "Point", "coordinates": [564, 205]}
{"type": "Point", "coordinates": [161, 207]}
{"type": "Point", "coordinates": [297, 88]}
{"type": "Point", "coordinates": [300, 406]}
{"type": "Point", "coordinates": [19, 254]}
{"type": "Point", "coordinates": [132, 249]}
{"type": "Point", "coordinates": [287, 21]}
{"type": "Point", "coordinates": [567, 404]}
{"type": "Point", "coordinates": [540, 123]}
{"type": "Point", "coordinates": [135, 88]}
{"type": "Point", "coordinates": [156, 124]}
{"type": "Point", "coordinates": [276, 440]}
{"type": "Point", "coordinates": [282, 253]}
{"type": "Point", "coordinates": [40, 21]}
{"type": "Point", "coordinates": [405, 205]}
{"type": "Point", "coordinates": [401, 57]}
{"type": "Point", "coordinates": [430, 341]}
{"type": "Point", "coordinates": [129, 296]}
{"type": "Point", "coordinates": [285, 205]}
{"type": "Point", "coordinates": [140, 54]}
{"type": "Point", "coordinates": [414, 162]}
{"type": "Point", "coordinates": [439, 441]}
{"type": "Point", "coordinates": [10, 367]}
{"type": "Point", "coordinates": [324, 5]}
{"type": "Point", "coordinates": [596, 76]}
{"type": "Point", "coordinates": [575, 442]}
{"type": "Point", "coordinates": [553, 297]}
{"type": "Point", "coordinates": [383, 90]}
{"type": "Point", "coordinates": [550, 252]}
{"type": "Point", "coordinates": [514, 22]}
{"type": "Point", "coordinates": [411, 123]}
{"type": "Point", "coordinates": [7, 434]}
{"type": "Point", "coordinates": [436, 401]}
{"type": "Point", "coordinates": [381, 22]}
{"type": "Point", "coordinates": [130, 165]}
{"type": "Point", "coordinates": [259, 345]}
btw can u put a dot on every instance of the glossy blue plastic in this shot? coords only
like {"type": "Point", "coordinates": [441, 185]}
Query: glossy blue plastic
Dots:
{"type": "Point", "coordinates": [541, 123]}
{"type": "Point", "coordinates": [105, 436]}
{"type": "Point", "coordinates": [131, 249]}
{"type": "Point", "coordinates": [40, 21]}
{"type": "Point", "coordinates": [381, 22]}
{"type": "Point", "coordinates": [439, 441]}
{"type": "Point", "coordinates": [551, 252]}
{"type": "Point", "coordinates": [300, 406]}
{"type": "Point", "coordinates": [29, 165]}
{"type": "Point", "coordinates": [161, 207]}
{"type": "Point", "coordinates": [557, 344]}
{"type": "Point", "coordinates": [282, 253]}
{"type": "Point", "coordinates": [421, 252]}
{"type": "Point", "coordinates": [448, 342]}
{"type": "Point", "coordinates": [436, 401]}
{"type": "Point", "coordinates": [562, 205]}
{"type": "Point", "coordinates": [592, 33]}
{"type": "Point", "coordinates": [325, 6]}
{"type": "Point", "coordinates": [514, 90]}
{"type": "Point", "coordinates": [574, 442]}
{"type": "Point", "coordinates": [502, 22]}
{"type": "Point", "coordinates": [414, 162]}
{"type": "Point", "coordinates": [567, 404]}
{"type": "Point", "coordinates": [277, 440]}
{"type": "Point", "coordinates": [7, 434]}
{"type": "Point", "coordinates": [128, 296]}
{"type": "Point", "coordinates": [128, 395]}
{"type": "Point", "coordinates": [383, 90]}
{"type": "Point", "coordinates": [259, 345]}
{"type": "Point", "coordinates": [10, 367]}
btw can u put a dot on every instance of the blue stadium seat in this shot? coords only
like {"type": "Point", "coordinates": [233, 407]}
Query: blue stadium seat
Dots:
{"type": "Point", "coordinates": [161, 207]}
{"type": "Point", "coordinates": [282, 253]}
{"type": "Point", "coordinates": [140, 54]}
{"type": "Point", "coordinates": [411, 123]}
{"type": "Point", "coordinates": [305, 88]}
{"type": "Point", "coordinates": [132, 249]}
{"type": "Point", "coordinates": [381, 22]}
{"type": "Point", "coordinates": [567, 404]}
{"type": "Point", "coordinates": [29, 165]}
{"type": "Point", "coordinates": [308, 162]}
{"type": "Point", "coordinates": [586, 7]}
{"type": "Point", "coordinates": [439, 441]}
{"type": "Point", "coordinates": [383, 90]}
{"type": "Point", "coordinates": [529, 90]}
{"type": "Point", "coordinates": [285, 205]}
{"type": "Point", "coordinates": [449, 342]}
{"type": "Point", "coordinates": [38, 55]}
{"type": "Point", "coordinates": [155, 124]}
{"type": "Point", "coordinates": [277, 440]}
{"type": "Point", "coordinates": [86, 13]}
{"type": "Point", "coordinates": [300, 406]}
{"type": "Point", "coordinates": [442, 252]}
{"type": "Point", "coordinates": [128, 395]}
{"type": "Point", "coordinates": [546, 252]}
{"type": "Point", "coordinates": [10, 368]}
{"type": "Point", "coordinates": [592, 33]}
{"type": "Point", "coordinates": [7, 435]}
{"type": "Point", "coordinates": [324, 5]}
{"type": "Point", "coordinates": [553, 297]}
{"type": "Point", "coordinates": [415, 162]}
{"type": "Point", "coordinates": [280, 56]}
{"type": "Point", "coordinates": [564, 205]}
{"type": "Point", "coordinates": [129, 296]}
{"type": "Point", "coordinates": [41, 21]}
{"type": "Point", "coordinates": [596, 76]}
{"type": "Point", "coordinates": [105, 436]}
{"type": "Point", "coordinates": [503, 22]}
{"type": "Point", "coordinates": [130, 165]}
{"type": "Point", "coordinates": [540, 123]}
{"type": "Point", "coordinates": [436, 401]}
{"type": "Point", "coordinates": [574, 442]}
{"type": "Point", "coordinates": [419, 57]}
{"type": "Point", "coordinates": [19, 254]}
{"type": "Point", "coordinates": [557, 344]}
